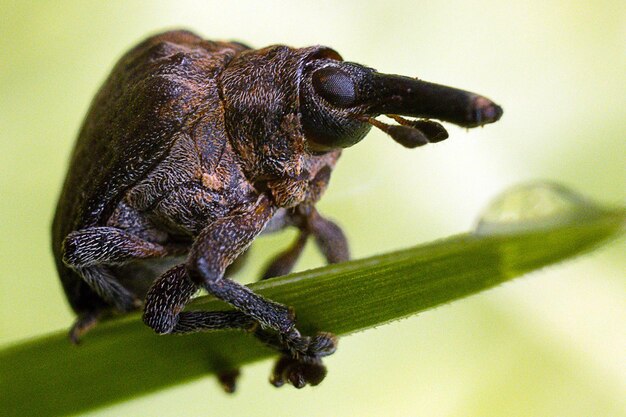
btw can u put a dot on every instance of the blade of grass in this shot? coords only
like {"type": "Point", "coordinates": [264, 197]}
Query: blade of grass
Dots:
{"type": "Point", "coordinates": [121, 358]}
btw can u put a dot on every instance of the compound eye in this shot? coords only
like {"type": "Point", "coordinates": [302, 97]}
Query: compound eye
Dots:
{"type": "Point", "coordinates": [335, 86]}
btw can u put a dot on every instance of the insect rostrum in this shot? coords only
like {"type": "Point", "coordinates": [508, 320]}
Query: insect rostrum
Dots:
{"type": "Point", "coordinates": [192, 148]}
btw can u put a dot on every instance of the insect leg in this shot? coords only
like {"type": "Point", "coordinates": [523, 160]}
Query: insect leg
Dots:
{"type": "Point", "coordinates": [162, 312]}
{"type": "Point", "coordinates": [169, 294]}
{"type": "Point", "coordinates": [84, 323]}
{"type": "Point", "coordinates": [217, 246]}
{"type": "Point", "coordinates": [284, 262]}
{"type": "Point", "coordinates": [306, 368]}
{"type": "Point", "coordinates": [329, 238]}
{"type": "Point", "coordinates": [90, 250]}
{"type": "Point", "coordinates": [105, 284]}
{"type": "Point", "coordinates": [102, 281]}
{"type": "Point", "coordinates": [173, 290]}
{"type": "Point", "coordinates": [106, 245]}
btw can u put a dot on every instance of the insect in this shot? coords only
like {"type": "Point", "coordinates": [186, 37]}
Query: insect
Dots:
{"type": "Point", "coordinates": [192, 148]}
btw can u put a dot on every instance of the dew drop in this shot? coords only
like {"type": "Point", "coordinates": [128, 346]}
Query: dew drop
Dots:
{"type": "Point", "coordinates": [534, 206]}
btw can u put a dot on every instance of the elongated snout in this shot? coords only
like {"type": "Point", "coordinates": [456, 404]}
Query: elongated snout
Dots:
{"type": "Point", "coordinates": [395, 94]}
{"type": "Point", "coordinates": [341, 100]}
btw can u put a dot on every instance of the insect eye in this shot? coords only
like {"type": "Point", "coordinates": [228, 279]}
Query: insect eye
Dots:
{"type": "Point", "coordinates": [335, 86]}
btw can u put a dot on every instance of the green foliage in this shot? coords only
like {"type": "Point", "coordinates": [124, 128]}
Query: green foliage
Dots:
{"type": "Point", "coordinates": [122, 358]}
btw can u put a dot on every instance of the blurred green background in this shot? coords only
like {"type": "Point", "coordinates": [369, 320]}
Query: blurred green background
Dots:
{"type": "Point", "coordinates": [546, 345]}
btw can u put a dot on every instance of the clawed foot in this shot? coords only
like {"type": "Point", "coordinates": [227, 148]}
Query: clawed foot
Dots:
{"type": "Point", "coordinates": [228, 380]}
{"type": "Point", "coordinates": [306, 348]}
{"type": "Point", "coordinates": [82, 325]}
{"type": "Point", "coordinates": [88, 320]}
{"type": "Point", "coordinates": [301, 362]}
{"type": "Point", "coordinates": [297, 372]}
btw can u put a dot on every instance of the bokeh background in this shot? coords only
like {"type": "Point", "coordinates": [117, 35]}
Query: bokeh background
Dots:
{"type": "Point", "coordinates": [549, 344]}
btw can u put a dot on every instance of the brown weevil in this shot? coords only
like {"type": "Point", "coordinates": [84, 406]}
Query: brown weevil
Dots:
{"type": "Point", "coordinates": [192, 148]}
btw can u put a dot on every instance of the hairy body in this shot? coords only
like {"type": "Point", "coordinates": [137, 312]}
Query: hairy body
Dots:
{"type": "Point", "coordinates": [190, 150]}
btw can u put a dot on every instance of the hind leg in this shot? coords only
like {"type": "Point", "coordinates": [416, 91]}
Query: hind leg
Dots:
{"type": "Point", "coordinates": [83, 323]}
{"type": "Point", "coordinates": [91, 252]}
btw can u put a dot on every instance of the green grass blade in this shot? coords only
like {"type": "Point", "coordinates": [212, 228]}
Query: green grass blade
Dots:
{"type": "Point", "coordinates": [121, 358]}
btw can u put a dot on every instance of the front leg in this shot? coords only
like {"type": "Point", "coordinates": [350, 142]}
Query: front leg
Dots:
{"type": "Point", "coordinates": [284, 262]}
{"type": "Point", "coordinates": [328, 236]}
{"type": "Point", "coordinates": [217, 246]}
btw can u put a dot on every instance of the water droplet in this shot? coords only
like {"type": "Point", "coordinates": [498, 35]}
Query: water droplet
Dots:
{"type": "Point", "coordinates": [534, 206]}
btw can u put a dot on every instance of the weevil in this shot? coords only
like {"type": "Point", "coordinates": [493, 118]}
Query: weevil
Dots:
{"type": "Point", "coordinates": [192, 148]}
